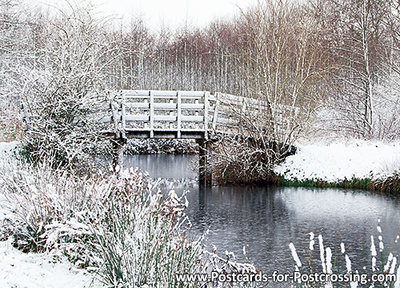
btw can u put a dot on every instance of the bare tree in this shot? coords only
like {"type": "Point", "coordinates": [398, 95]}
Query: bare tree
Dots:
{"type": "Point", "coordinates": [286, 73]}
{"type": "Point", "coordinates": [356, 37]}
{"type": "Point", "coordinates": [15, 48]}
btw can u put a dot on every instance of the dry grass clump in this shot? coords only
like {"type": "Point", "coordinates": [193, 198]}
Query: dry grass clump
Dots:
{"type": "Point", "coordinates": [333, 262]}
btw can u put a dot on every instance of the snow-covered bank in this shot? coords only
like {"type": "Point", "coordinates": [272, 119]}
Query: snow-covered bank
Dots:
{"type": "Point", "coordinates": [337, 162]}
{"type": "Point", "coordinates": [32, 270]}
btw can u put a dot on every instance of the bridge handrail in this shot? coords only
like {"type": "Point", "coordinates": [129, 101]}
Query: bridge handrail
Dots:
{"type": "Point", "coordinates": [195, 111]}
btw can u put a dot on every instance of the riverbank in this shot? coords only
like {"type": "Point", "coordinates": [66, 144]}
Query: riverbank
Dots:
{"type": "Point", "coordinates": [373, 166]}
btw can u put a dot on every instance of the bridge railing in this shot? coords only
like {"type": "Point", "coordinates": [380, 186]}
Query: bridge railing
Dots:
{"type": "Point", "coordinates": [178, 114]}
{"type": "Point", "coordinates": [160, 114]}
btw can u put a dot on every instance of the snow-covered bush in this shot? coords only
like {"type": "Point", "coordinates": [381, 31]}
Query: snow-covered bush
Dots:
{"type": "Point", "coordinates": [123, 227]}
{"type": "Point", "coordinates": [116, 225]}
{"type": "Point", "coordinates": [67, 88]}
{"type": "Point", "coordinates": [45, 208]}
{"type": "Point", "coordinates": [161, 146]}
{"type": "Point", "coordinates": [247, 159]}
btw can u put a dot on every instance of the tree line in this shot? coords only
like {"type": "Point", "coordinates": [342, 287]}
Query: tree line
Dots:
{"type": "Point", "coordinates": [333, 64]}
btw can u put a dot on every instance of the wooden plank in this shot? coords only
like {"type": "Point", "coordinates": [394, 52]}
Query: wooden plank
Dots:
{"type": "Point", "coordinates": [157, 93]}
{"type": "Point", "coordinates": [163, 93]}
{"type": "Point", "coordinates": [191, 97]}
{"type": "Point", "coordinates": [164, 129]}
{"type": "Point", "coordinates": [192, 93]}
{"type": "Point", "coordinates": [205, 114]}
{"type": "Point", "coordinates": [164, 106]}
{"type": "Point", "coordinates": [190, 106]}
{"type": "Point", "coordinates": [151, 114]}
{"type": "Point", "coordinates": [165, 118]}
{"type": "Point", "coordinates": [134, 93]}
{"type": "Point", "coordinates": [138, 105]}
{"type": "Point", "coordinates": [164, 96]}
{"type": "Point", "coordinates": [237, 100]}
{"type": "Point", "coordinates": [184, 94]}
{"type": "Point", "coordinates": [145, 118]}
{"type": "Point", "coordinates": [179, 113]}
{"type": "Point", "coordinates": [185, 118]}
{"type": "Point", "coordinates": [132, 96]}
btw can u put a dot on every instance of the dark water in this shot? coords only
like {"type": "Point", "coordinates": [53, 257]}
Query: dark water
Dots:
{"type": "Point", "coordinates": [266, 219]}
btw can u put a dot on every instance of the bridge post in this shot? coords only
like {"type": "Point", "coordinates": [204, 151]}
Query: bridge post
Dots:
{"type": "Point", "coordinates": [117, 153]}
{"type": "Point", "coordinates": [205, 174]}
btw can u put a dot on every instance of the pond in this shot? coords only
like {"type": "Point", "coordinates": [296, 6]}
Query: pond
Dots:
{"type": "Point", "coordinates": [266, 219]}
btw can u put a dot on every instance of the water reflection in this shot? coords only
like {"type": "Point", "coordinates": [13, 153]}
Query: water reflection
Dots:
{"type": "Point", "coordinates": [267, 219]}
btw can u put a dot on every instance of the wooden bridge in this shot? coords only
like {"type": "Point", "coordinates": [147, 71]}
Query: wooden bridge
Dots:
{"type": "Point", "coordinates": [175, 114]}
{"type": "Point", "coordinates": [199, 115]}
{"type": "Point", "coordinates": [196, 115]}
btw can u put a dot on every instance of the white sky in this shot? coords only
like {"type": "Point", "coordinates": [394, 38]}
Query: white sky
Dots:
{"type": "Point", "coordinates": [170, 13]}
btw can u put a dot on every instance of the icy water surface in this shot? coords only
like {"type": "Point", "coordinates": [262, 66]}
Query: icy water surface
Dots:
{"type": "Point", "coordinates": [266, 219]}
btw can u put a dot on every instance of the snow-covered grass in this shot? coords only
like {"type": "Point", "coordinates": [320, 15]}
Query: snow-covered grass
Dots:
{"type": "Point", "coordinates": [337, 162]}
{"type": "Point", "coordinates": [18, 269]}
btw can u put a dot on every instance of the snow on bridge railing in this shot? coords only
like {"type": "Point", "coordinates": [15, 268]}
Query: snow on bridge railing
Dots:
{"type": "Point", "coordinates": [160, 114]}
{"type": "Point", "coordinates": [177, 114]}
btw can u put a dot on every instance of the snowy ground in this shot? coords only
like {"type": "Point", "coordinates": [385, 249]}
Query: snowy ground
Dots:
{"type": "Point", "coordinates": [31, 270]}
{"type": "Point", "coordinates": [6, 149]}
{"type": "Point", "coordinates": [336, 161]}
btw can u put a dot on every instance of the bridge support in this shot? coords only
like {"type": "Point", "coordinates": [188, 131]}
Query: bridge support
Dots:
{"type": "Point", "coordinates": [205, 175]}
{"type": "Point", "coordinates": [117, 153]}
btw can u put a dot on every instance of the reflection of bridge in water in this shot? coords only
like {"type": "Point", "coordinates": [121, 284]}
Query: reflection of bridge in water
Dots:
{"type": "Point", "coordinates": [196, 115]}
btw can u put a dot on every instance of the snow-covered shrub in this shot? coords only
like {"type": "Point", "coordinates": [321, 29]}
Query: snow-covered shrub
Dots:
{"type": "Point", "coordinates": [45, 208]}
{"type": "Point", "coordinates": [15, 46]}
{"type": "Point", "coordinates": [120, 225]}
{"type": "Point", "coordinates": [116, 225]}
{"type": "Point", "coordinates": [67, 88]}
{"type": "Point", "coordinates": [246, 159]}
{"type": "Point", "coordinates": [161, 146]}
{"type": "Point", "coordinates": [235, 161]}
